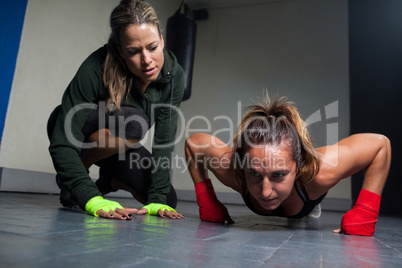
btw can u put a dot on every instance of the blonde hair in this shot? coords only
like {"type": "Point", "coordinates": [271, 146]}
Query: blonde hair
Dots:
{"type": "Point", "coordinates": [116, 76]}
{"type": "Point", "coordinates": [273, 122]}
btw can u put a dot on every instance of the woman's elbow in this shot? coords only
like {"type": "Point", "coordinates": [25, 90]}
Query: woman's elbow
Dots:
{"type": "Point", "coordinates": [197, 143]}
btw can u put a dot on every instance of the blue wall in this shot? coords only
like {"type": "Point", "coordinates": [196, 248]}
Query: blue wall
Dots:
{"type": "Point", "coordinates": [12, 15]}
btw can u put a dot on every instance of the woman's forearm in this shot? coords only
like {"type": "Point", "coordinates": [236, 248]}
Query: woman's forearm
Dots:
{"type": "Point", "coordinates": [195, 153]}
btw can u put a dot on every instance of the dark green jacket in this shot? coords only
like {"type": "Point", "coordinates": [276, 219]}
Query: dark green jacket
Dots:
{"type": "Point", "coordinates": [87, 89]}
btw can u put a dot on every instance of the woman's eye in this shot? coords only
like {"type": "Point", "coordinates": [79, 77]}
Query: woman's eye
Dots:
{"type": "Point", "coordinates": [278, 176]}
{"type": "Point", "coordinates": [153, 48]}
{"type": "Point", "coordinates": [133, 52]}
{"type": "Point", "coordinates": [254, 173]}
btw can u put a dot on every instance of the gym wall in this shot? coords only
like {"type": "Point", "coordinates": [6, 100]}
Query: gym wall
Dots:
{"type": "Point", "coordinates": [297, 49]}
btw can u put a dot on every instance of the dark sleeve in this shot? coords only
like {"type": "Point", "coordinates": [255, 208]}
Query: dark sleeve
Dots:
{"type": "Point", "coordinates": [164, 138]}
{"type": "Point", "coordinates": [66, 138]}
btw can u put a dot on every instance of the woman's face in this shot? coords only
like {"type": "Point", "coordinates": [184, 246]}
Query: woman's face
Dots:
{"type": "Point", "coordinates": [142, 50]}
{"type": "Point", "coordinates": [270, 174]}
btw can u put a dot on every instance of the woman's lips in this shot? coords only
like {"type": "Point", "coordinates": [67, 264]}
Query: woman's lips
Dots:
{"type": "Point", "coordinates": [268, 201]}
{"type": "Point", "coordinates": [149, 71]}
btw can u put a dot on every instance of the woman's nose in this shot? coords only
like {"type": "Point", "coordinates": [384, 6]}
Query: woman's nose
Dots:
{"type": "Point", "coordinates": [146, 59]}
{"type": "Point", "coordinates": [266, 188]}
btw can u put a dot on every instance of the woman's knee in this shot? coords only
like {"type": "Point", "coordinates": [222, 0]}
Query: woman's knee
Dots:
{"type": "Point", "coordinates": [130, 123]}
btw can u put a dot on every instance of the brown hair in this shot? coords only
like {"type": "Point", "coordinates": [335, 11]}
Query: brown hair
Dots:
{"type": "Point", "coordinates": [116, 76]}
{"type": "Point", "coordinates": [271, 123]}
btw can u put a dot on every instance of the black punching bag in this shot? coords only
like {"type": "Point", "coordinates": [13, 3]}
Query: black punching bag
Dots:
{"type": "Point", "coordinates": [181, 31]}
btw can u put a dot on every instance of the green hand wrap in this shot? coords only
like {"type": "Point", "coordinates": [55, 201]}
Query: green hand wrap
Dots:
{"type": "Point", "coordinates": [96, 203]}
{"type": "Point", "coordinates": [154, 207]}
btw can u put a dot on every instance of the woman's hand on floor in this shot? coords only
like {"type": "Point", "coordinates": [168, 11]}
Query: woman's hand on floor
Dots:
{"type": "Point", "coordinates": [118, 213]}
{"type": "Point", "coordinates": [160, 210]}
{"type": "Point", "coordinates": [99, 207]}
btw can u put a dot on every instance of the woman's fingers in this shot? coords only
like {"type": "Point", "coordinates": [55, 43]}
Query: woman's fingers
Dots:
{"type": "Point", "coordinates": [104, 214]}
{"type": "Point", "coordinates": [123, 214]}
{"type": "Point", "coordinates": [127, 213]}
{"type": "Point", "coordinates": [142, 211]}
{"type": "Point", "coordinates": [131, 210]}
{"type": "Point", "coordinates": [170, 214]}
{"type": "Point", "coordinates": [163, 213]}
{"type": "Point", "coordinates": [120, 214]}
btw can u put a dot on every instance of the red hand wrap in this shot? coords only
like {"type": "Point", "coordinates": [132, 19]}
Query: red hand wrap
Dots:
{"type": "Point", "coordinates": [362, 218]}
{"type": "Point", "coordinates": [210, 207]}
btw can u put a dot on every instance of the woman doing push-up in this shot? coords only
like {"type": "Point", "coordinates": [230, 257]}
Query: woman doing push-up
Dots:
{"type": "Point", "coordinates": [274, 166]}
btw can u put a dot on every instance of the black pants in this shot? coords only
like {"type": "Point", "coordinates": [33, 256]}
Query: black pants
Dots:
{"type": "Point", "coordinates": [133, 167]}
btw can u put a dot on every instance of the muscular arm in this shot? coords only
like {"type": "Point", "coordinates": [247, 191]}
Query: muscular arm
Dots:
{"type": "Point", "coordinates": [368, 152]}
{"type": "Point", "coordinates": [205, 152]}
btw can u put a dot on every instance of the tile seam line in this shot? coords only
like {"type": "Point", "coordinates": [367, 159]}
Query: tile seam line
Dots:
{"type": "Point", "coordinates": [386, 245]}
{"type": "Point", "coordinates": [279, 247]}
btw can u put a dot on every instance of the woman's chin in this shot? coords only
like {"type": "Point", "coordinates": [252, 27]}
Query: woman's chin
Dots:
{"type": "Point", "coordinates": [271, 204]}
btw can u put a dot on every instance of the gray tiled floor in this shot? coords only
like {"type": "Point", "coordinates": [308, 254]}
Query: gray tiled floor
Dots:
{"type": "Point", "coordinates": [36, 232]}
